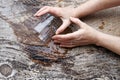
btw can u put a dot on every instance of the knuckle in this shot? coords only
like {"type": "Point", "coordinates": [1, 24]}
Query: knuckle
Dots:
{"type": "Point", "coordinates": [78, 21]}
{"type": "Point", "coordinates": [48, 7]}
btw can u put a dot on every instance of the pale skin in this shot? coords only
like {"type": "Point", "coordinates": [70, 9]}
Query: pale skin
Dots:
{"type": "Point", "coordinates": [85, 35]}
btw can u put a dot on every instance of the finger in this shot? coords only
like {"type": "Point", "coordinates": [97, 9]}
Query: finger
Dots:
{"type": "Point", "coordinates": [36, 14]}
{"type": "Point", "coordinates": [65, 37]}
{"type": "Point", "coordinates": [43, 12]}
{"type": "Point", "coordinates": [83, 44]}
{"type": "Point", "coordinates": [65, 24]}
{"type": "Point", "coordinates": [73, 45]}
{"type": "Point", "coordinates": [53, 10]}
{"type": "Point", "coordinates": [76, 21]}
{"type": "Point", "coordinates": [64, 42]}
{"type": "Point", "coordinates": [67, 46]}
{"type": "Point", "coordinates": [74, 41]}
{"type": "Point", "coordinates": [57, 41]}
{"type": "Point", "coordinates": [69, 36]}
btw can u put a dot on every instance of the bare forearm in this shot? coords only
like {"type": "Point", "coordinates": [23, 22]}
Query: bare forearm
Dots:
{"type": "Point", "coordinates": [110, 42]}
{"type": "Point", "coordinates": [92, 6]}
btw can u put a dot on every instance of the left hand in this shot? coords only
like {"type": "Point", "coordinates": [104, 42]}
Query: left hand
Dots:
{"type": "Point", "coordinates": [84, 36]}
{"type": "Point", "coordinates": [63, 13]}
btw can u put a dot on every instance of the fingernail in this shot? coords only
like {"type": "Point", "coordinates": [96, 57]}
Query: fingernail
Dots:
{"type": "Point", "coordinates": [53, 37]}
{"type": "Point", "coordinates": [57, 33]}
{"type": "Point", "coordinates": [35, 14]}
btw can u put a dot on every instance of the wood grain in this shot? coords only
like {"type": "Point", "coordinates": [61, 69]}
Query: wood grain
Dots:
{"type": "Point", "coordinates": [81, 63]}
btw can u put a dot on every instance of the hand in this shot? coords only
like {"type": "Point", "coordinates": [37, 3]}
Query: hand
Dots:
{"type": "Point", "coordinates": [84, 36]}
{"type": "Point", "coordinates": [63, 13]}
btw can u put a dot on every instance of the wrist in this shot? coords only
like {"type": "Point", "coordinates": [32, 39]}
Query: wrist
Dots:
{"type": "Point", "coordinates": [80, 12]}
{"type": "Point", "coordinates": [75, 13]}
{"type": "Point", "coordinates": [99, 38]}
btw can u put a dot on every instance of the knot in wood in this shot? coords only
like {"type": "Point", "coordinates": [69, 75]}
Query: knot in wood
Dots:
{"type": "Point", "coordinates": [5, 70]}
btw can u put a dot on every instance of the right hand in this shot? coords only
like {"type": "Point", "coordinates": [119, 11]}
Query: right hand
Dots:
{"type": "Point", "coordinates": [63, 13]}
{"type": "Point", "coordinates": [85, 35]}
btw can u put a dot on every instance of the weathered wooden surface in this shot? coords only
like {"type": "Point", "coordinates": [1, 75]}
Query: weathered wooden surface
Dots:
{"type": "Point", "coordinates": [81, 63]}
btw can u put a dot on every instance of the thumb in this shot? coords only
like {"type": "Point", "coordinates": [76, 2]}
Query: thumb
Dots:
{"type": "Point", "coordinates": [65, 24]}
{"type": "Point", "coordinates": [76, 21]}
